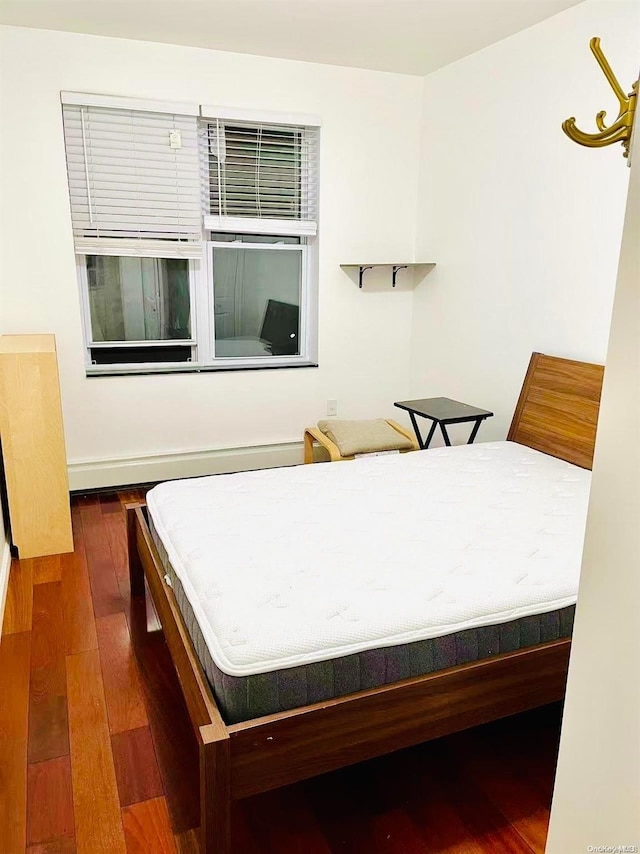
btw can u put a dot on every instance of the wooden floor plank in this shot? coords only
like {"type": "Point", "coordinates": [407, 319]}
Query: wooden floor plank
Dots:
{"type": "Point", "coordinates": [15, 652]}
{"type": "Point", "coordinates": [344, 817]}
{"type": "Point", "coordinates": [48, 726]}
{"type": "Point", "coordinates": [125, 704]}
{"type": "Point", "coordinates": [66, 845]}
{"type": "Point", "coordinates": [116, 529]}
{"type": "Point", "coordinates": [110, 503]}
{"type": "Point", "coordinates": [519, 802]}
{"type": "Point", "coordinates": [147, 828]}
{"type": "Point", "coordinates": [137, 772]}
{"type": "Point", "coordinates": [87, 499]}
{"type": "Point", "coordinates": [248, 837]}
{"type": "Point", "coordinates": [395, 833]}
{"type": "Point", "coordinates": [95, 794]}
{"type": "Point", "coordinates": [187, 843]}
{"type": "Point", "coordinates": [19, 602]}
{"type": "Point", "coordinates": [102, 576]}
{"type": "Point", "coordinates": [382, 822]}
{"type": "Point", "coordinates": [77, 606]}
{"type": "Point", "coordinates": [286, 822]}
{"type": "Point", "coordinates": [115, 526]}
{"type": "Point", "coordinates": [174, 741]}
{"type": "Point", "coordinates": [443, 829]}
{"type": "Point", "coordinates": [534, 758]}
{"type": "Point", "coordinates": [48, 721]}
{"type": "Point", "coordinates": [46, 569]}
{"type": "Point", "coordinates": [452, 812]}
{"type": "Point", "coordinates": [47, 645]}
{"type": "Point", "coordinates": [76, 523]}
{"type": "Point", "coordinates": [49, 801]}
{"type": "Point", "coordinates": [105, 591]}
{"type": "Point", "coordinates": [360, 810]}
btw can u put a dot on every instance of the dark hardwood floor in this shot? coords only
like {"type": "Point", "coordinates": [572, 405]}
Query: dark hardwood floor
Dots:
{"type": "Point", "coordinates": [97, 756]}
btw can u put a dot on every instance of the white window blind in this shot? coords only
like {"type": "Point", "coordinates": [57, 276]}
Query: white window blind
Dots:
{"type": "Point", "coordinates": [260, 177]}
{"type": "Point", "coordinates": [134, 181]}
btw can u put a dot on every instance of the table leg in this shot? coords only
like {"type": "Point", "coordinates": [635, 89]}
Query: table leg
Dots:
{"type": "Point", "coordinates": [431, 432]}
{"type": "Point", "coordinates": [416, 430]}
{"type": "Point", "coordinates": [445, 435]}
{"type": "Point", "coordinates": [474, 432]}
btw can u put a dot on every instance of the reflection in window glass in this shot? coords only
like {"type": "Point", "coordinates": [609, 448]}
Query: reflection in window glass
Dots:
{"type": "Point", "coordinates": [138, 299]}
{"type": "Point", "coordinates": [256, 301]}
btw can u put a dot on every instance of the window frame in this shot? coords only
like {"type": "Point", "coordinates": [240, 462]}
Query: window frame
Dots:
{"type": "Point", "coordinates": [202, 317]}
{"type": "Point", "coordinates": [200, 263]}
{"type": "Point", "coordinates": [130, 367]}
{"type": "Point", "coordinates": [303, 358]}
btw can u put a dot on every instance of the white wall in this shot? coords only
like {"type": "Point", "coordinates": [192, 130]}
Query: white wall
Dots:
{"type": "Point", "coordinates": [363, 336]}
{"type": "Point", "coordinates": [524, 225]}
{"type": "Point", "coordinates": [596, 801]}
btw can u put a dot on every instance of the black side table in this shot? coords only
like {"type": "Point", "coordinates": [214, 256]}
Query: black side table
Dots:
{"type": "Point", "coordinates": [442, 411]}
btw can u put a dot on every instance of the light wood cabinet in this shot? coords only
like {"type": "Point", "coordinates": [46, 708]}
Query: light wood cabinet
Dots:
{"type": "Point", "coordinates": [32, 436]}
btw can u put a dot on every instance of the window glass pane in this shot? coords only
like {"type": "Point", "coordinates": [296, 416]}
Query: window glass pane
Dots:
{"type": "Point", "coordinates": [140, 355]}
{"type": "Point", "coordinates": [138, 299]}
{"type": "Point", "coordinates": [256, 302]}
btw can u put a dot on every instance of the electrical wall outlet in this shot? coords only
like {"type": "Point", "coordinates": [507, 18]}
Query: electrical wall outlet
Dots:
{"type": "Point", "coordinates": [332, 407]}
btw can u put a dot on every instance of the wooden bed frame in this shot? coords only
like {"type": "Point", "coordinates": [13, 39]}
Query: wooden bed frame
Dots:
{"type": "Point", "coordinates": [557, 413]}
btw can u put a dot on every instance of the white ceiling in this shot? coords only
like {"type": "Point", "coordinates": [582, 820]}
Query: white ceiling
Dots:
{"type": "Point", "coordinates": [410, 36]}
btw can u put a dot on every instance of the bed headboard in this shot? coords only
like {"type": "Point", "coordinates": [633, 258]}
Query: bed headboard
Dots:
{"type": "Point", "coordinates": [557, 411]}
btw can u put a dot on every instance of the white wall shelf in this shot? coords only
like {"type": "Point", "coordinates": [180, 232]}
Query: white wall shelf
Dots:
{"type": "Point", "coordinates": [395, 268]}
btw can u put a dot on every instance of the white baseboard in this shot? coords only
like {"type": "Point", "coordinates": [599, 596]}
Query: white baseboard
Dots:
{"type": "Point", "coordinates": [5, 566]}
{"type": "Point", "coordinates": [94, 474]}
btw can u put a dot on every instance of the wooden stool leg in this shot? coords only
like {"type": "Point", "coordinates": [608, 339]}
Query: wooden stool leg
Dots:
{"type": "Point", "coordinates": [308, 447]}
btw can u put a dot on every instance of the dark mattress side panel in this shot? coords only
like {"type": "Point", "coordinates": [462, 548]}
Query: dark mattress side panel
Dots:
{"type": "Point", "coordinates": [241, 698]}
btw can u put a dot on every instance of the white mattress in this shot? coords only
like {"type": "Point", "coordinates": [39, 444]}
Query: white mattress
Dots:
{"type": "Point", "coordinates": [284, 567]}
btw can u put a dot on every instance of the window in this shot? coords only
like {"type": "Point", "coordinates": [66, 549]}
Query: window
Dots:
{"type": "Point", "coordinates": [195, 235]}
{"type": "Point", "coordinates": [138, 300]}
{"type": "Point", "coordinates": [257, 286]}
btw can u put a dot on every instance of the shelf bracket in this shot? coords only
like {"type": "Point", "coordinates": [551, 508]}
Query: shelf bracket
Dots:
{"type": "Point", "coordinates": [394, 274]}
{"type": "Point", "coordinates": [361, 271]}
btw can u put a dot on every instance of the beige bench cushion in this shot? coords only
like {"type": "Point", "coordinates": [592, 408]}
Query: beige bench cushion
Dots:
{"type": "Point", "coordinates": [364, 437]}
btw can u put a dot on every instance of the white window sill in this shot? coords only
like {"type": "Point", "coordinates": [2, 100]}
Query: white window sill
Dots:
{"type": "Point", "coordinates": [187, 368]}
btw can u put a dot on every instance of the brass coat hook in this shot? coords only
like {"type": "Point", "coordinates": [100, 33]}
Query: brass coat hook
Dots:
{"type": "Point", "coordinates": [620, 130]}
